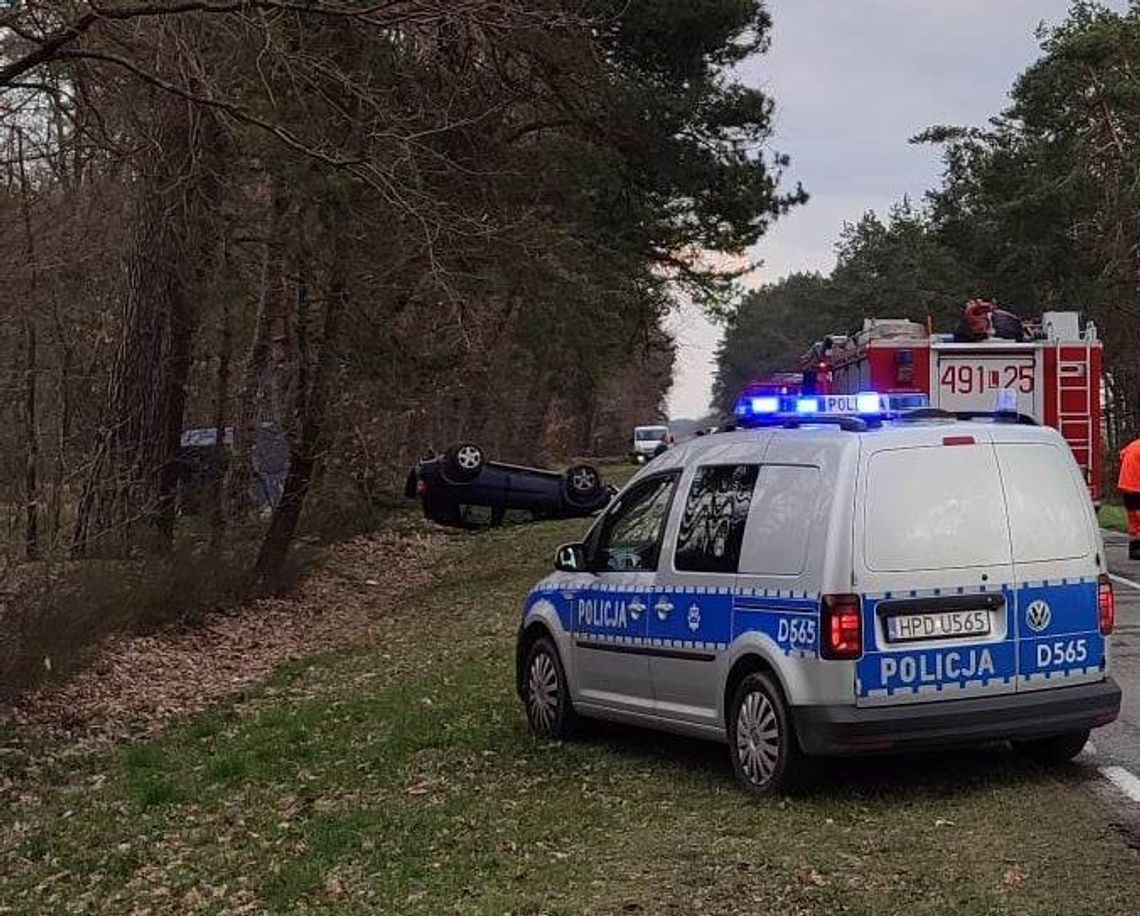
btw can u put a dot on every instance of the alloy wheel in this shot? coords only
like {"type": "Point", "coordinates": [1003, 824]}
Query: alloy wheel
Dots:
{"type": "Point", "coordinates": [469, 457]}
{"type": "Point", "coordinates": [757, 738]}
{"type": "Point", "coordinates": [543, 693]}
{"type": "Point", "coordinates": [584, 480]}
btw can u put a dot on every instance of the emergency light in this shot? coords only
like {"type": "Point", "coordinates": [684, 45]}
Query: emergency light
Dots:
{"type": "Point", "coordinates": [765, 405]}
{"type": "Point", "coordinates": [867, 404]}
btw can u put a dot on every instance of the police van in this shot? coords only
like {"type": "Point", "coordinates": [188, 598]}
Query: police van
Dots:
{"type": "Point", "coordinates": [820, 584]}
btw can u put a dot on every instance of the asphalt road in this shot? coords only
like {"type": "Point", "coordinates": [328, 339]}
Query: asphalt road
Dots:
{"type": "Point", "coordinates": [1118, 744]}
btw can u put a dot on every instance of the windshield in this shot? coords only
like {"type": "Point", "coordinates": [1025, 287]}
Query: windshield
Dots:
{"type": "Point", "coordinates": [650, 433]}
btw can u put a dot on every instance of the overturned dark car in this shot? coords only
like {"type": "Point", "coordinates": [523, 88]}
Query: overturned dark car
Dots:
{"type": "Point", "coordinates": [462, 489]}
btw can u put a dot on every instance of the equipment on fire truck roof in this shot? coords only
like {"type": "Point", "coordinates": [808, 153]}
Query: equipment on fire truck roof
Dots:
{"type": "Point", "coordinates": [888, 329]}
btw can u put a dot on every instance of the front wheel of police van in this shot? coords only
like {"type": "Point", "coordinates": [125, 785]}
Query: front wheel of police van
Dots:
{"type": "Point", "coordinates": [546, 695]}
{"type": "Point", "coordinates": [766, 755]}
{"type": "Point", "coordinates": [1055, 749]}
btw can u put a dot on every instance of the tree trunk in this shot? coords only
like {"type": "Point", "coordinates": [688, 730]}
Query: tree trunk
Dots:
{"type": "Point", "coordinates": [64, 427]}
{"type": "Point", "coordinates": [31, 437]}
{"type": "Point", "coordinates": [31, 494]}
{"type": "Point", "coordinates": [308, 436]}
{"type": "Point", "coordinates": [250, 408]}
{"type": "Point", "coordinates": [221, 412]}
{"type": "Point", "coordinates": [135, 474]}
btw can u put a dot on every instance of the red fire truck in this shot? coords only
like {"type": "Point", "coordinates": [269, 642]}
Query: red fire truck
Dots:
{"type": "Point", "coordinates": [1054, 377]}
{"type": "Point", "coordinates": [777, 384]}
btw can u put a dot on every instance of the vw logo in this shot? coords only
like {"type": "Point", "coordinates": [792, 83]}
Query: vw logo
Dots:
{"type": "Point", "coordinates": [1038, 616]}
{"type": "Point", "coordinates": [694, 618]}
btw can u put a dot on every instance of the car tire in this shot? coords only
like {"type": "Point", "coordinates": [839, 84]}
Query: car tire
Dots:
{"type": "Point", "coordinates": [1056, 748]}
{"type": "Point", "coordinates": [766, 755]}
{"type": "Point", "coordinates": [583, 484]}
{"type": "Point", "coordinates": [463, 462]}
{"type": "Point", "coordinates": [546, 693]}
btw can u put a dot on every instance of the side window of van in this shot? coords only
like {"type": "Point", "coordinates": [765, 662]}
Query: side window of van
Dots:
{"type": "Point", "coordinates": [630, 539]}
{"type": "Point", "coordinates": [716, 510]}
{"type": "Point", "coordinates": [782, 521]}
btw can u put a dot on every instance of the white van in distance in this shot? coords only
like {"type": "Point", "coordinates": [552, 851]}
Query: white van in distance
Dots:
{"type": "Point", "coordinates": [647, 440]}
{"type": "Point", "coordinates": [823, 585]}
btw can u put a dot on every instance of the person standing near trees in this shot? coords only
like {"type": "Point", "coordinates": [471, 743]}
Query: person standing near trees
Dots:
{"type": "Point", "coordinates": [1129, 486]}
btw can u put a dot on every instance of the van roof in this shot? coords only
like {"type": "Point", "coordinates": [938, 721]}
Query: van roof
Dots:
{"type": "Point", "coordinates": [832, 438]}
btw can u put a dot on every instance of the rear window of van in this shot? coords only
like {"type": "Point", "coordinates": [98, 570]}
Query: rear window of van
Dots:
{"type": "Point", "coordinates": [937, 507]}
{"type": "Point", "coordinates": [1048, 511]}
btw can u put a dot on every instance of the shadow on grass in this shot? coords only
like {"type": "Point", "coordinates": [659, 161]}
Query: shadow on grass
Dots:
{"type": "Point", "coordinates": [953, 772]}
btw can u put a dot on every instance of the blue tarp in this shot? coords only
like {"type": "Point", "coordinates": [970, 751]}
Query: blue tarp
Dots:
{"type": "Point", "coordinates": [270, 461]}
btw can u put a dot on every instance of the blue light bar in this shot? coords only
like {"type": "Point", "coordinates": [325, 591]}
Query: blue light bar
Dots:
{"type": "Point", "coordinates": [869, 405]}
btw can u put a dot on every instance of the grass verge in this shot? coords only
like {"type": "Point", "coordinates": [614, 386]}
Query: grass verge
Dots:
{"type": "Point", "coordinates": [400, 779]}
{"type": "Point", "coordinates": [1113, 517]}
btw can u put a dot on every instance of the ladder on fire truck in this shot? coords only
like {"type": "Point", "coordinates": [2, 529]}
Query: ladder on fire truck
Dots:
{"type": "Point", "coordinates": [1074, 391]}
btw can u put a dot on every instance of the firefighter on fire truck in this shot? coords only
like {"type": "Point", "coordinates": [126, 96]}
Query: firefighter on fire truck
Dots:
{"type": "Point", "coordinates": [982, 320]}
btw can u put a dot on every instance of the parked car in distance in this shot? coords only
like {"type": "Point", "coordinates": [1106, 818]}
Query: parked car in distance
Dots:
{"type": "Point", "coordinates": [462, 489]}
{"type": "Point", "coordinates": [649, 442]}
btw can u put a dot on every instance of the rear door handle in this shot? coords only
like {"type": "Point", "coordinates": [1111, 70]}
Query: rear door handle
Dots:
{"type": "Point", "coordinates": [663, 608]}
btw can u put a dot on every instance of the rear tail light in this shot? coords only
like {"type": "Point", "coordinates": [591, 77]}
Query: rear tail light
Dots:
{"type": "Point", "coordinates": [421, 489]}
{"type": "Point", "coordinates": [1106, 605]}
{"type": "Point", "coordinates": [842, 627]}
{"type": "Point", "coordinates": [958, 440]}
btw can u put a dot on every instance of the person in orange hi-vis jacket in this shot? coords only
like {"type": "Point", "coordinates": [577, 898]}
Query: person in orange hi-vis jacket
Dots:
{"type": "Point", "coordinates": [1129, 486]}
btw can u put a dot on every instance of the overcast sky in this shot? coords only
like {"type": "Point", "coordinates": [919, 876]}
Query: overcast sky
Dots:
{"type": "Point", "coordinates": [853, 81]}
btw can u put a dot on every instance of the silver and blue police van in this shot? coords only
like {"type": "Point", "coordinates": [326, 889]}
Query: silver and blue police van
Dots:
{"type": "Point", "coordinates": [820, 583]}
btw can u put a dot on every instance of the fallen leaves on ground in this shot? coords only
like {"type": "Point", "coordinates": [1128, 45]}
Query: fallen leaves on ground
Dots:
{"type": "Point", "coordinates": [1014, 875]}
{"type": "Point", "coordinates": [139, 684]}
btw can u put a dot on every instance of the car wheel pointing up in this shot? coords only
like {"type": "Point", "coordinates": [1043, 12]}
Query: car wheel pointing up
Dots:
{"type": "Point", "coordinates": [464, 461]}
{"type": "Point", "coordinates": [583, 483]}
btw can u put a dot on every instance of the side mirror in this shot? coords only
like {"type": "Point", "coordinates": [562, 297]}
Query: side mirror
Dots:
{"type": "Point", "coordinates": [570, 558]}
